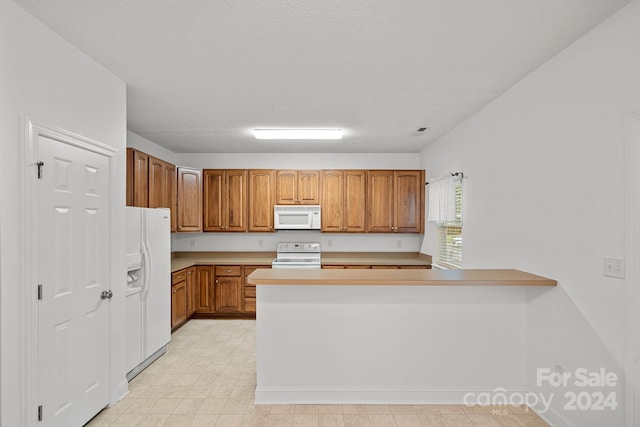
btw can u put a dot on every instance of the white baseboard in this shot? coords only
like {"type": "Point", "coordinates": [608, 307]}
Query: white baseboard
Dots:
{"type": "Point", "coordinates": [418, 396]}
{"type": "Point", "coordinates": [553, 417]}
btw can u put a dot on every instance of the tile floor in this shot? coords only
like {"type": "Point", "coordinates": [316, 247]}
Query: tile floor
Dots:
{"type": "Point", "coordinates": [207, 378]}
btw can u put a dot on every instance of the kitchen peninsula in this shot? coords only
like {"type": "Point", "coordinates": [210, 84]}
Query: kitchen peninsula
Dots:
{"type": "Point", "coordinates": [390, 336]}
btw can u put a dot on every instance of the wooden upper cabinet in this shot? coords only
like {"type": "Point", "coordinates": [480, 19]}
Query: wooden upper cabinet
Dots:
{"type": "Point", "coordinates": [380, 206]}
{"type": "Point", "coordinates": [355, 197]}
{"type": "Point", "coordinates": [189, 199]}
{"type": "Point", "coordinates": [395, 201]}
{"type": "Point", "coordinates": [297, 187]}
{"type": "Point", "coordinates": [151, 182]}
{"type": "Point", "coordinates": [309, 187]}
{"type": "Point", "coordinates": [137, 178]}
{"type": "Point", "coordinates": [163, 187]}
{"type": "Point", "coordinates": [157, 193]}
{"type": "Point", "coordinates": [171, 193]}
{"type": "Point", "coordinates": [343, 200]}
{"type": "Point", "coordinates": [236, 200]}
{"type": "Point", "coordinates": [261, 199]}
{"type": "Point", "coordinates": [409, 201]}
{"type": "Point", "coordinates": [332, 200]}
{"type": "Point", "coordinates": [225, 200]}
{"type": "Point", "coordinates": [130, 156]}
{"type": "Point", "coordinates": [213, 181]}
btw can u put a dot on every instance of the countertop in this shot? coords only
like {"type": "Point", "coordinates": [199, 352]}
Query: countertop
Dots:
{"type": "Point", "coordinates": [181, 260]}
{"type": "Point", "coordinates": [493, 277]}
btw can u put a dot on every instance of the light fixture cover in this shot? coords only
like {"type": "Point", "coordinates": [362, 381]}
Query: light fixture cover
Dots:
{"type": "Point", "coordinates": [297, 133]}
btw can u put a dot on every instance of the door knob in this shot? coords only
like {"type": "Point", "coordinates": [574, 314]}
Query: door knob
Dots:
{"type": "Point", "coordinates": [106, 294]}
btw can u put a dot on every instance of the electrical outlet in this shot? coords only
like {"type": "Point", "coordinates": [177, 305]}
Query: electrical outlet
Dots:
{"type": "Point", "coordinates": [614, 267]}
{"type": "Point", "coordinates": [398, 243]}
{"type": "Point", "coordinates": [192, 243]}
{"type": "Point", "coordinates": [330, 243]}
{"type": "Point", "coordinates": [260, 243]}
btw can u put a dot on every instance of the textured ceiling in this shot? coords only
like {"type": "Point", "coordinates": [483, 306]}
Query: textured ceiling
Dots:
{"type": "Point", "coordinates": [201, 74]}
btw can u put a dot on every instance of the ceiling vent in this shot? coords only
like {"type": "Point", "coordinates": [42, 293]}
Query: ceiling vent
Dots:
{"type": "Point", "coordinates": [420, 131]}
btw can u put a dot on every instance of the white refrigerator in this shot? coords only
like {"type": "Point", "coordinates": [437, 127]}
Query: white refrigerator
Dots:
{"type": "Point", "coordinates": [148, 314]}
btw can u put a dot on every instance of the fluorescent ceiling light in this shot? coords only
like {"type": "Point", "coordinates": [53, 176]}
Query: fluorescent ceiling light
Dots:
{"type": "Point", "coordinates": [297, 133]}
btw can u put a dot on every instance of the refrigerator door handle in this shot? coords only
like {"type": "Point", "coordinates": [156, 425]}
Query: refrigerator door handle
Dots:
{"type": "Point", "coordinates": [146, 253]}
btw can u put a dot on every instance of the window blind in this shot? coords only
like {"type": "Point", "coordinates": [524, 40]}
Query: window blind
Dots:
{"type": "Point", "coordinates": [450, 236]}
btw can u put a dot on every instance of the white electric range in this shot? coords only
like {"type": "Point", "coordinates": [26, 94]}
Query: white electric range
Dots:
{"type": "Point", "coordinates": [297, 255]}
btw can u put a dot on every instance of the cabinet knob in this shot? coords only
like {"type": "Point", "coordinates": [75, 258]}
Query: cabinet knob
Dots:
{"type": "Point", "coordinates": [216, 281]}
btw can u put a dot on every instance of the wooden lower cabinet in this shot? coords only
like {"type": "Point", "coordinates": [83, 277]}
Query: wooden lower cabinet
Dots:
{"type": "Point", "coordinates": [250, 290]}
{"type": "Point", "coordinates": [192, 291]}
{"type": "Point", "coordinates": [228, 289]}
{"type": "Point", "coordinates": [204, 288]}
{"type": "Point", "coordinates": [178, 304]}
{"type": "Point", "coordinates": [378, 267]}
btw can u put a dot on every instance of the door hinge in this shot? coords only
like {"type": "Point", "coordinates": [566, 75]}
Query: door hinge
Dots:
{"type": "Point", "coordinates": [40, 413]}
{"type": "Point", "coordinates": [39, 165]}
{"type": "Point", "coordinates": [39, 292]}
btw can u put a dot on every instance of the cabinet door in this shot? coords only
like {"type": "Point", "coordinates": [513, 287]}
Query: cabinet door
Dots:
{"type": "Point", "coordinates": [261, 200]}
{"type": "Point", "coordinates": [228, 294]}
{"type": "Point", "coordinates": [308, 187]}
{"type": "Point", "coordinates": [204, 287]}
{"type": "Point", "coordinates": [130, 156]}
{"type": "Point", "coordinates": [214, 198]}
{"type": "Point", "coordinates": [171, 197]}
{"type": "Point", "coordinates": [250, 290]}
{"type": "Point", "coordinates": [332, 200]}
{"type": "Point", "coordinates": [140, 179]}
{"type": "Point", "coordinates": [380, 205]}
{"type": "Point", "coordinates": [192, 291]}
{"type": "Point", "coordinates": [236, 200]}
{"type": "Point", "coordinates": [189, 199]}
{"type": "Point", "coordinates": [355, 196]}
{"type": "Point", "coordinates": [287, 187]}
{"type": "Point", "coordinates": [409, 201]}
{"type": "Point", "coordinates": [157, 193]}
{"type": "Point", "coordinates": [178, 303]}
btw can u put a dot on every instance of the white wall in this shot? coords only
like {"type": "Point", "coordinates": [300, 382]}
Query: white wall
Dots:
{"type": "Point", "coordinates": [43, 77]}
{"type": "Point", "coordinates": [143, 144]}
{"type": "Point", "coordinates": [545, 193]}
{"type": "Point", "coordinates": [329, 242]}
{"type": "Point", "coordinates": [300, 160]}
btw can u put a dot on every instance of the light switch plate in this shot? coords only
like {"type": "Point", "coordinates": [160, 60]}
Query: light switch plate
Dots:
{"type": "Point", "coordinates": [614, 267]}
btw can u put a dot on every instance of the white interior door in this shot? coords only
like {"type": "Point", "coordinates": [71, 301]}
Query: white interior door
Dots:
{"type": "Point", "coordinates": [73, 268]}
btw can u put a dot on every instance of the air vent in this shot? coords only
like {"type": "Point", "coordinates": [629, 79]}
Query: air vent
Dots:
{"type": "Point", "coordinates": [420, 131]}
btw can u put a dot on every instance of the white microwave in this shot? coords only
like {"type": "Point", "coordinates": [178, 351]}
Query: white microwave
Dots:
{"type": "Point", "coordinates": [296, 217]}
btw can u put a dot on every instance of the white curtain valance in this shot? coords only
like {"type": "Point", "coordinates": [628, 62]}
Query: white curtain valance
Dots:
{"type": "Point", "coordinates": [442, 200]}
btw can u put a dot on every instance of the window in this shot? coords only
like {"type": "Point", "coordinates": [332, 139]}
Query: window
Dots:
{"type": "Point", "coordinates": [449, 236]}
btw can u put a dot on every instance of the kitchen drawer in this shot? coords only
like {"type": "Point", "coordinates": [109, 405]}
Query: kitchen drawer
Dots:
{"type": "Point", "coordinates": [228, 270]}
{"type": "Point", "coordinates": [250, 291]}
{"type": "Point", "coordinates": [250, 269]}
{"type": "Point", "coordinates": [332, 266]}
{"type": "Point", "coordinates": [250, 305]}
{"type": "Point", "coordinates": [414, 267]}
{"type": "Point", "coordinates": [385, 267]}
{"type": "Point", "coordinates": [178, 276]}
{"type": "Point", "coordinates": [357, 267]}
